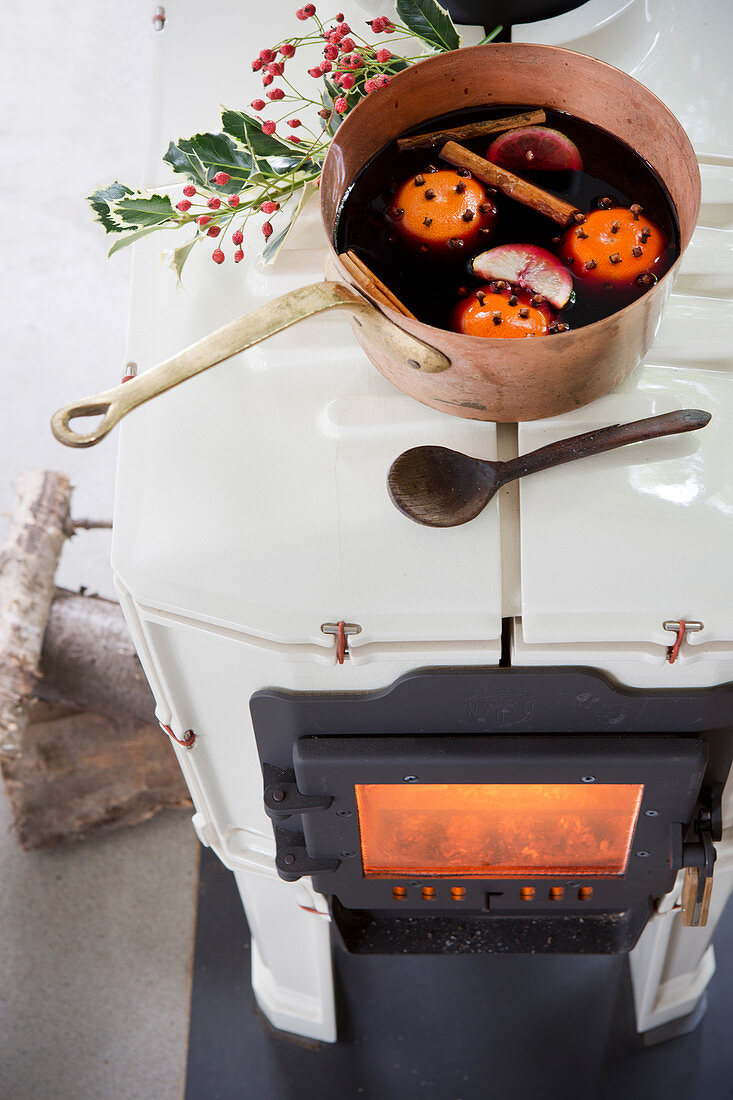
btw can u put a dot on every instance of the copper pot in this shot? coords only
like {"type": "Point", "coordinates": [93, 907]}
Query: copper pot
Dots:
{"type": "Point", "coordinates": [478, 378]}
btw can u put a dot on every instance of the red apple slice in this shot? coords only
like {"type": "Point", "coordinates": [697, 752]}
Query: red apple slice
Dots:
{"type": "Point", "coordinates": [529, 267]}
{"type": "Point", "coordinates": [535, 147]}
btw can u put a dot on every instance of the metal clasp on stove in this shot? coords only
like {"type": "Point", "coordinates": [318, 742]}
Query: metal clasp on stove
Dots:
{"type": "Point", "coordinates": [680, 627]}
{"type": "Point", "coordinates": [342, 631]}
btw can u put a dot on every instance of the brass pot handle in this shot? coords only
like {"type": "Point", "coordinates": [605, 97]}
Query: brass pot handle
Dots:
{"type": "Point", "coordinates": [265, 321]}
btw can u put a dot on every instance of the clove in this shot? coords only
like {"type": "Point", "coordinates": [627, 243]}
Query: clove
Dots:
{"type": "Point", "coordinates": [645, 234]}
{"type": "Point", "coordinates": [637, 251]}
{"type": "Point", "coordinates": [499, 285]}
{"type": "Point", "coordinates": [605, 203]}
{"type": "Point", "coordinates": [581, 234]}
{"type": "Point", "coordinates": [486, 208]}
{"type": "Point", "coordinates": [455, 242]}
{"type": "Point", "coordinates": [460, 187]}
{"type": "Point", "coordinates": [429, 193]}
{"type": "Point", "coordinates": [496, 317]}
{"type": "Point", "coordinates": [615, 226]}
{"type": "Point", "coordinates": [468, 215]}
{"type": "Point", "coordinates": [646, 279]}
{"type": "Point", "coordinates": [537, 299]}
{"type": "Point", "coordinates": [615, 258]}
{"type": "Point", "coordinates": [481, 297]}
{"type": "Point", "coordinates": [589, 265]}
{"type": "Point", "coordinates": [513, 300]}
{"type": "Point", "coordinates": [524, 312]}
{"type": "Point", "coordinates": [636, 210]}
{"type": "Point", "coordinates": [419, 181]}
{"type": "Point", "coordinates": [427, 221]}
{"type": "Point", "coordinates": [464, 172]}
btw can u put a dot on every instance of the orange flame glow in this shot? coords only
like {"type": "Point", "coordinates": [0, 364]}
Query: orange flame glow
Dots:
{"type": "Point", "coordinates": [496, 830]}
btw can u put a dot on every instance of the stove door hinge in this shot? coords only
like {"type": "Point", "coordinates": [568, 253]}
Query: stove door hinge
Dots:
{"type": "Point", "coordinates": [341, 631]}
{"type": "Point", "coordinates": [698, 859]}
{"type": "Point", "coordinates": [680, 627]}
{"type": "Point", "coordinates": [282, 797]}
{"type": "Point", "coordinates": [292, 860]}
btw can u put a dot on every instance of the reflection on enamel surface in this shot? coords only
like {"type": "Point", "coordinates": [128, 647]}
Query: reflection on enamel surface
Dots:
{"type": "Point", "coordinates": [651, 481]}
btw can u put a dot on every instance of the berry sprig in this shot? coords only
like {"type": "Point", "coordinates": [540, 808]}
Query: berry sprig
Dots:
{"type": "Point", "coordinates": [258, 163]}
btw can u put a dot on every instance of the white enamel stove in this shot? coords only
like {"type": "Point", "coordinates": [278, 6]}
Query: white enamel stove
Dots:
{"type": "Point", "coordinates": [251, 504]}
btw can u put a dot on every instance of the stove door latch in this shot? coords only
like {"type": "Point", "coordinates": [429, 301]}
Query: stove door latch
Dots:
{"type": "Point", "coordinates": [698, 859]}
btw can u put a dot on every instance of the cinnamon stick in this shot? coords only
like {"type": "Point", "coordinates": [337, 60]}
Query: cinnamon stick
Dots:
{"type": "Point", "coordinates": [470, 130]}
{"type": "Point", "coordinates": [514, 186]}
{"type": "Point", "coordinates": [374, 286]}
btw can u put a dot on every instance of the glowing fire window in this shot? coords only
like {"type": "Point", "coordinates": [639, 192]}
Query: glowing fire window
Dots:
{"type": "Point", "coordinates": [496, 830]}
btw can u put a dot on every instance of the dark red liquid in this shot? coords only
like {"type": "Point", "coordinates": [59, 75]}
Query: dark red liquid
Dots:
{"type": "Point", "coordinates": [431, 286]}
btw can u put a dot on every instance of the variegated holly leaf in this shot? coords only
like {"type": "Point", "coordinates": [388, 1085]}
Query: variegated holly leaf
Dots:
{"type": "Point", "coordinates": [277, 155]}
{"type": "Point", "coordinates": [143, 209]}
{"type": "Point", "coordinates": [103, 203]}
{"type": "Point", "coordinates": [200, 157]}
{"type": "Point", "coordinates": [431, 22]}
{"type": "Point", "coordinates": [277, 242]}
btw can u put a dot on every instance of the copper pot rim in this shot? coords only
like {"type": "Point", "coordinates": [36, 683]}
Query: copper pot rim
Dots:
{"type": "Point", "coordinates": [552, 52]}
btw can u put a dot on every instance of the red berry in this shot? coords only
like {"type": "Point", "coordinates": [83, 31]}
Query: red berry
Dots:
{"type": "Point", "coordinates": [377, 24]}
{"type": "Point", "coordinates": [233, 200]}
{"type": "Point", "coordinates": [269, 207]}
{"type": "Point", "coordinates": [383, 80]}
{"type": "Point", "coordinates": [347, 45]}
{"type": "Point", "coordinates": [347, 81]}
{"type": "Point", "coordinates": [222, 178]}
{"type": "Point", "coordinates": [214, 204]}
{"type": "Point", "coordinates": [331, 53]}
{"type": "Point", "coordinates": [326, 66]}
{"type": "Point", "coordinates": [287, 49]}
{"type": "Point", "coordinates": [203, 219]}
{"type": "Point", "coordinates": [295, 140]}
{"type": "Point", "coordinates": [276, 68]}
{"type": "Point", "coordinates": [357, 61]}
{"type": "Point", "coordinates": [217, 256]}
{"type": "Point", "coordinates": [300, 14]}
{"type": "Point", "coordinates": [267, 79]}
{"type": "Point", "coordinates": [237, 236]}
{"type": "Point", "coordinates": [337, 78]}
{"type": "Point", "coordinates": [340, 105]}
{"type": "Point", "coordinates": [370, 86]}
{"type": "Point", "coordinates": [258, 104]}
{"type": "Point", "coordinates": [294, 122]}
{"type": "Point", "coordinates": [315, 72]}
{"type": "Point", "coordinates": [266, 56]}
{"type": "Point", "coordinates": [214, 231]}
{"type": "Point", "coordinates": [344, 28]}
{"type": "Point", "coordinates": [309, 9]}
{"type": "Point", "coordinates": [276, 93]}
{"type": "Point", "coordinates": [189, 190]}
{"type": "Point", "coordinates": [266, 229]}
{"type": "Point", "coordinates": [238, 255]}
{"type": "Point", "coordinates": [183, 205]}
{"type": "Point", "coordinates": [256, 65]}
{"type": "Point", "coordinates": [383, 55]}
{"type": "Point", "coordinates": [340, 17]}
{"type": "Point", "coordinates": [389, 27]}
{"type": "Point", "coordinates": [268, 127]}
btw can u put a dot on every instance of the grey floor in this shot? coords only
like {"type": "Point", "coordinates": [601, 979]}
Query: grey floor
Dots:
{"type": "Point", "coordinates": [95, 941]}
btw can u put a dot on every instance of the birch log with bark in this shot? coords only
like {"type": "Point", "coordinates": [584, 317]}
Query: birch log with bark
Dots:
{"type": "Point", "coordinates": [39, 526]}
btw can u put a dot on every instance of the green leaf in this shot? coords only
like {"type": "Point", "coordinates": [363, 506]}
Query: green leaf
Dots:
{"type": "Point", "coordinates": [276, 153]}
{"type": "Point", "coordinates": [103, 203]}
{"type": "Point", "coordinates": [490, 37]}
{"type": "Point", "coordinates": [200, 157]}
{"type": "Point", "coordinates": [144, 209]}
{"type": "Point", "coordinates": [277, 242]}
{"type": "Point", "coordinates": [431, 22]}
{"type": "Point", "coordinates": [130, 238]}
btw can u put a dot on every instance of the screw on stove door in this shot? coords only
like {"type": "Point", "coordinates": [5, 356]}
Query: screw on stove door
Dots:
{"type": "Point", "coordinates": [411, 779]}
{"type": "Point", "coordinates": [651, 813]}
{"type": "Point", "coordinates": [587, 779]}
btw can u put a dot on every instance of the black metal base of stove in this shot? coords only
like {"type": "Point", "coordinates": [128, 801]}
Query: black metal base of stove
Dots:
{"type": "Point", "coordinates": [369, 933]}
{"type": "Point", "coordinates": [444, 1028]}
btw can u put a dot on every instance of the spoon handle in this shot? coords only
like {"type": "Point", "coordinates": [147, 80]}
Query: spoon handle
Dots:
{"type": "Point", "coordinates": [603, 439]}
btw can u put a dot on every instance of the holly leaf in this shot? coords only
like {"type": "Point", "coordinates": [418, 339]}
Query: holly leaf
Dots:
{"type": "Point", "coordinates": [103, 203]}
{"type": "Point", "coordinates": [178, 257]}
{"type": "Point", "coordinates": [431, 22]}
{"type": "Point", "coordinates": [277, 242]}
{"type": "Point", "coordinates": [277, 154]}
{"type": "Point", "coordinates": [200, 157]}
{"type": "Point", "coordinates": [130, 238]}
{"type": "Point", "coordinates": [142, 210]}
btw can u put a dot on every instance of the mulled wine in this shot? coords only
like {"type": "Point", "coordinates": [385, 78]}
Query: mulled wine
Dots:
{"type": "Point", "coordinates": [462, 255]}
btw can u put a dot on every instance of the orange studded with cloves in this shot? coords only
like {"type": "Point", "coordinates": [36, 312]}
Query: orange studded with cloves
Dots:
{"type": "Point", "coordinates": [442, 212]}
{"type": "Point", "coordinates": [614, 245]}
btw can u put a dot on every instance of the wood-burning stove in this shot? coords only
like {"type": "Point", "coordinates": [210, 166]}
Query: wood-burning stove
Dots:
{"type": "Point", "coordinates": [540, 633]}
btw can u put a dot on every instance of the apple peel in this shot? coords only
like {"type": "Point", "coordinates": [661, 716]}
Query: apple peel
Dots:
{"type": "Point", "coordinates": [529, 267]}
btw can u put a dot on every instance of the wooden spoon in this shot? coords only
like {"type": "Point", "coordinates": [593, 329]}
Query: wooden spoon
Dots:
{"type": "Point", "coordinates": [439, 487]}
